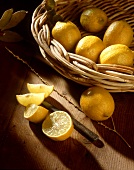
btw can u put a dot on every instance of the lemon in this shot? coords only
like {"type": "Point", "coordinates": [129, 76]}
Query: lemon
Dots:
{"type": "Point", "coordinates": [58, 126]}
{"type": "Point", "coordinates": [40, 88]}
{"type": "Point", "coordinates": [90, 47]}
{"type": "Point", "coordinates": [67, 34]}
{"type": "Point", "coordinates": [119, 32]}
{"type": "Point", "coordinates": [30, 98]}
{"type": "Point", "coordinates": [35, 113]}
{"type": "Point", "coordinates": [93, 19]}
{"type": "Point", "coordinates": [117, 54]}
{"type": "Point", "coordinates": [97, 103]}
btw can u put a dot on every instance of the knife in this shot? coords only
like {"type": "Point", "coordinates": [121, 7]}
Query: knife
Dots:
{"type": "Point", "coordinates": [84, 131]}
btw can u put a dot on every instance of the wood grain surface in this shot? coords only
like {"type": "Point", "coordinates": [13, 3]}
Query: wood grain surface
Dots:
{"type": "Point", "coordinates": [24, 146]}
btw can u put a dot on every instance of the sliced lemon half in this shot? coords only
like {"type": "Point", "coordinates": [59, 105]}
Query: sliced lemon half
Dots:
{"type": "Point", "coordinates": [40, 88]}
{"type": "Point", "coordinates": [58, 126]}
{"type": "Point", "coordinates": [30, 98]}
{"type": "Point", "coordinates": [35, 113]}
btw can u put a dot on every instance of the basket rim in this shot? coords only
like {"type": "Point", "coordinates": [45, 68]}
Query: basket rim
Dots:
{"type": "Point", "coordinates": [113, 77]}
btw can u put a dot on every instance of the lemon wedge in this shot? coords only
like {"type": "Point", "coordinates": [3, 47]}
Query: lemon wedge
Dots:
{"type": "Point", "coordinates": [40, 88]}
{"type": "Point", "coordinates": [30, 98]}
{"type": "Point", "coordinates": [35, 113]}
{"type": "Point", "coordinates": [58, 126]}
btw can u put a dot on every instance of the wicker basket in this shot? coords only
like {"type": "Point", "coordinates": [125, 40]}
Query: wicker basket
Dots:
{"type": "Point", "coordinates": [115, 78]}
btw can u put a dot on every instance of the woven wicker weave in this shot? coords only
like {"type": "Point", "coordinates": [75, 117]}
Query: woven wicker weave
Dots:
{"type": "Point", "coordinates": [115, 78]}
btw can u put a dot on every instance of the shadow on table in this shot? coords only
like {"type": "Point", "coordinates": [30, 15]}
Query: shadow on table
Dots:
{"type": "Point", "coordinates": [71, 152]}
{"type": "Point", "coordinates": [123, 118]}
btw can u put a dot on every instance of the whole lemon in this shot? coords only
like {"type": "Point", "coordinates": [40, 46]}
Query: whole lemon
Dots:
{"type": "Point", "coordinates": [90, 47]}
{"type": "Point", "coordinates": [93, 19]}
{"type": "Point", "coordinates": [66, 33]}
{"type": "Point", "coordinates": [117, 54]}
{"type": "Point", "coordinates": [118, 32]}
{"type": "Point", "coordinates": [97, 103]}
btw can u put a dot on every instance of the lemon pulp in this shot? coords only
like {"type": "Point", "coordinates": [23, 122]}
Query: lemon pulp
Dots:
{"type": "Point", "coordinates": [30, 98]}
{"type": "Point", "coordinates": [35, 113]}
{"type": "Point", "coordinates": [40, 88]}
{"type": "Point", "coordinates": [58, 125]}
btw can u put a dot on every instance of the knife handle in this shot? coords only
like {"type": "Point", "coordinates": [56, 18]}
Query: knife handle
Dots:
{"type": "Point", "coordinates": [84, 131]}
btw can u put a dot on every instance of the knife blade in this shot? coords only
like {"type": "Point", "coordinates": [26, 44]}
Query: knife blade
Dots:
{"type": "Point", "coordinates": [84, 131]}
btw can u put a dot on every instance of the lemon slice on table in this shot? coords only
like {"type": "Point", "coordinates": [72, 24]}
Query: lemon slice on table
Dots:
{"type": "Point", "coordinates": [30, 98]}
{"type": "Point", "coordinates": [35, 113]}
{"type": "Point", "coordinates": [58, 126]}
{"type": "Point", "coordinates": [40, 88]}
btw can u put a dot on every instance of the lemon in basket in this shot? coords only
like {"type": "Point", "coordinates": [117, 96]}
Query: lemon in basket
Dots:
{"type": "Point", "coordinates": [58, 126]}
{"type": "Point", "coordinates": [117, 54]}
{"type": "Point", "coordinates": [67, 34]}
{"type": "Point", "coordinates": [30, 98]}
{"type": "Point", "coordinates": [40, 88]}
{"type": "Point", "coordinates": [35, 113]}
{"type": "Point", "coordinates": [97, 103]}
{"type": "Point", "coordinates": [119, 32]}
{"type": "Point", "coordinates": [90, 47]}
{"type": "Point", "coordinates": [93, 19]}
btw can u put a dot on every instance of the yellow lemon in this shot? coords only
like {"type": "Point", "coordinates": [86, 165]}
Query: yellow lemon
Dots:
{"type": "Point", "coordinates": [90, 47]}
{"type": "Point", "coordinates": [119, 32]}
{"type": "Point", "coordinates": [40, 88]}
{"type": "Point", "coordinates": [117, 54]}
{"type": "Point", "coordinates": [93, 19]}
{"type": "Point", "coordinates": [30, 98]}
{"type": "Point", "coordinates": [58, 126]}
{"type": "Point", "coordinates": [97, 103]}
{"type": "Point", "coordinates": [67, 34]}
{"type": "Point", "coordinates": [35, 113]}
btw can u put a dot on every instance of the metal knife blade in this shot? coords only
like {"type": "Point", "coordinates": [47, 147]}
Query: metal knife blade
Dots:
{"type": "Point", "coordinates": [87, 133]}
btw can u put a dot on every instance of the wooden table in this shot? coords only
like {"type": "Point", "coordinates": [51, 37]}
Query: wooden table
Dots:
{"type": "Point", "coordinates": [24, 146]}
